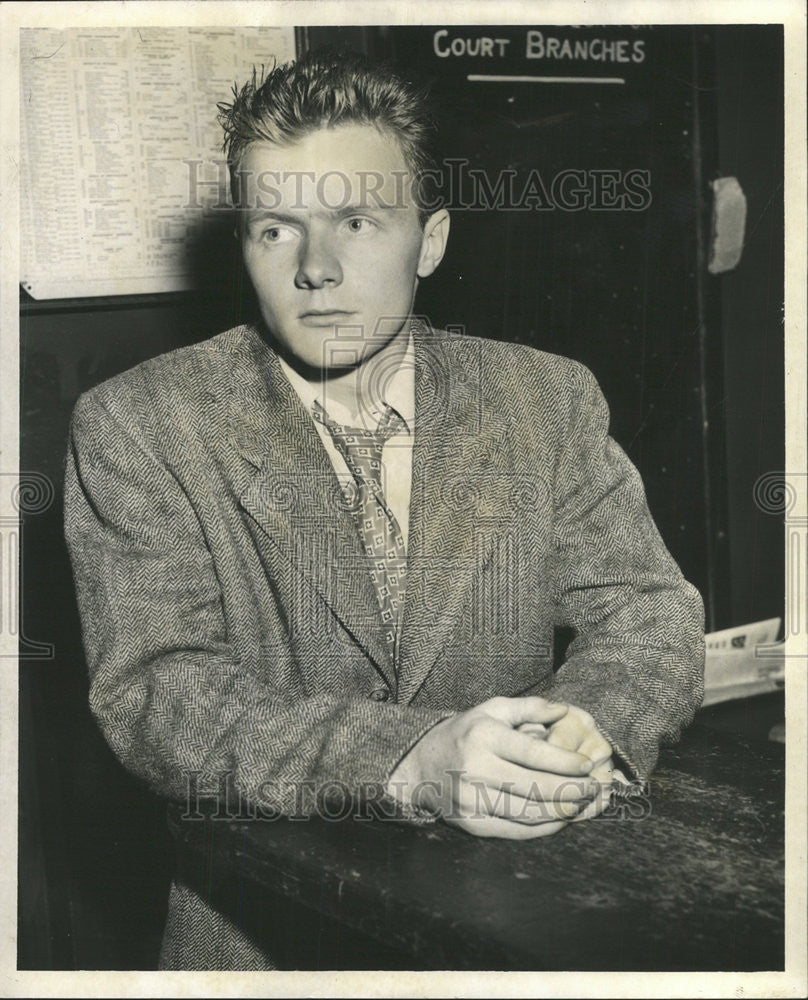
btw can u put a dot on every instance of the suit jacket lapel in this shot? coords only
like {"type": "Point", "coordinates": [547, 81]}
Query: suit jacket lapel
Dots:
{"type": "Point", "coordinates": [462, 490]}
{"type": "Point", "coordinates": [294, 495]}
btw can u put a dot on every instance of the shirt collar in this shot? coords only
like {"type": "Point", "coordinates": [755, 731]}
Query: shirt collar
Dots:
{"type": "Point", "coordinates": [399, 390]}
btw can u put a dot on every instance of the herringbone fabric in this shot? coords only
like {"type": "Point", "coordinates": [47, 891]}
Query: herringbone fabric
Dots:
{"type": "Point", "coordinates": [377, 526]}
{"type": "Point", "coordinates": [230, 624]}
{"type": "Point", "coordinates": [198, 936]}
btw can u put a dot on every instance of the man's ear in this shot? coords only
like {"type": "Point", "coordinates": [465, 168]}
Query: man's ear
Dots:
{"type": "Point", "coordinates": [433, 242]}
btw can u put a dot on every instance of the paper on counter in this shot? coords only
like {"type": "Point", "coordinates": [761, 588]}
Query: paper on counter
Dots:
{"type": "Point", "coordinates": [733, 667]}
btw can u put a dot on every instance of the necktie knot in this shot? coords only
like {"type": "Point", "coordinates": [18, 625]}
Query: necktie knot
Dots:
{"type": "Point", "coordinates": [362, 447]}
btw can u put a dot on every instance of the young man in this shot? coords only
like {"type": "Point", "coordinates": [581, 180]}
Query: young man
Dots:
{"type": "Point", "coordinates": [330, 550]}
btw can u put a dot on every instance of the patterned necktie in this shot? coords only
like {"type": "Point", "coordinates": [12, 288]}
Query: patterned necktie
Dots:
{"type": "Point", "coordinates": [378, 528]}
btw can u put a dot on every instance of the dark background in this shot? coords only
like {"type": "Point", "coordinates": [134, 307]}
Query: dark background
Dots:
{"type": "Point", "coordinates": [691, 364]}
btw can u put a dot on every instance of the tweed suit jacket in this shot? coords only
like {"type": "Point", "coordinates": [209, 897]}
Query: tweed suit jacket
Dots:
{"type": "Point", "coordinates": [229, 621]}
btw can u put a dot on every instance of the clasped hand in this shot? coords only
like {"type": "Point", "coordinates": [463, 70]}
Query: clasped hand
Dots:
{"type": "Point", "coordinates": [517, 768]}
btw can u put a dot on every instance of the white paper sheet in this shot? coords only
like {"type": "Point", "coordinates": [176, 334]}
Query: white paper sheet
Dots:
{"type": "Point", "coordinates": [117, 123]}
{"type": "Point", "coordinates": [734, 668]}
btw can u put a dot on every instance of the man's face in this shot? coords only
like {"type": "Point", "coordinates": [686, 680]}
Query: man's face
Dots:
{"type": "Point", "coordinates": [331, 240]}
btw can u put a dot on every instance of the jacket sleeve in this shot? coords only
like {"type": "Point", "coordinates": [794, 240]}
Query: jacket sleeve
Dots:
{"type": "Point", "coordinates": [174, 701]}
{"type": "Point", "coordinates": [637, 661]}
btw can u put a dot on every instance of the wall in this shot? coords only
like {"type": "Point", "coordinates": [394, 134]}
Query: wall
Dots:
{"type": "Point", "coordinates": [750, 147]}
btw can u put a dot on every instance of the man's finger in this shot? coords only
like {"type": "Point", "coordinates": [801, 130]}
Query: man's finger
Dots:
{"type": "Point", "coordinates": [539, 755]}
{"type": "Point", "coordinates": [494, 826]}
{"type": "Point", "coordinates": [530, 811]}
{"type": "Point", "coordinates": [514, 711]}
{"type": "Point", "coordinates": [535, 729]}
{"type": "Point", "coordinates": [575, 733]}
{"type": "Point", "coordinates": [478, 799]}
{"type": "Point", "coordinates": [596, 749]}
{"type": "Point", "coordinates": [534, 784]}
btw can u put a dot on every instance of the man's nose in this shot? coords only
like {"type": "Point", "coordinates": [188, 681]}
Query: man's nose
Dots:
{"type": "Point", "coordinates": [319, 263]}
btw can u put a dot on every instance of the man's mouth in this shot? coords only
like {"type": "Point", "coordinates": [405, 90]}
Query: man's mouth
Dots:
{"type": "Point", "coordinates": [324, 317]}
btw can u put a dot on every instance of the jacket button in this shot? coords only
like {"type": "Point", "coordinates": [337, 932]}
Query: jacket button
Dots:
{"type": "Point", "coordinates": [379, 694]}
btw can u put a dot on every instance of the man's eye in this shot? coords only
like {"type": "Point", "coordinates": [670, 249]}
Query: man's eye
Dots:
{"type": "Point", "coordinates": [358, 225]}
{"type": "Point", "coordinates": [277, 234]}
